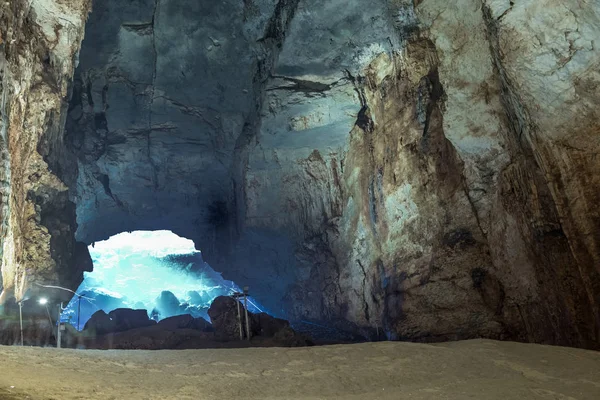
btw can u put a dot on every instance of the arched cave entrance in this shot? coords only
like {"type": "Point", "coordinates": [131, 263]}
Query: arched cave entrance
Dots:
{"type": "Point", "coordinates": [157, 271]}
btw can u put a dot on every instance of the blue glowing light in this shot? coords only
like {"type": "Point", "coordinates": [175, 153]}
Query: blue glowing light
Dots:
{"type": "Point", "coordinates": [153, 270]}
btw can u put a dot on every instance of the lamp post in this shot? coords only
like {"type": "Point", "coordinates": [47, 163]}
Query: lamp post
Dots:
{"type": "Point", "coordinates": [60, 326]}
{"type": "Point", "coordinates": [237, 300]}
{"type": "Point", "coordinates": [44, 302]}
{"type": "Point", "coordinates": [78, 309]}
{"type": "Point", "coordinates": [21, 319]}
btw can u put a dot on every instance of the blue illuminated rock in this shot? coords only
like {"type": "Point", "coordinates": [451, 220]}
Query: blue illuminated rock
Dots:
{"type": "Point", "coordinates": [167, 304]}
{"type": "Point", "coordinates": [199, 297]}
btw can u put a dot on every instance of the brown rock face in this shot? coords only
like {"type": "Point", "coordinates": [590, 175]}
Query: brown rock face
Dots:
{"type": "Point", "coordinates": [426, 169]}
{"type": "Point", "coordinates": [40, 41]}
{"type": "Point", "coordinates": [551, 183]}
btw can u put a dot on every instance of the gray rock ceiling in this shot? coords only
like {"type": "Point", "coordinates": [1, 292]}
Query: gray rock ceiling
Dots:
{"type": "Point", "coordinates": [167, 93]}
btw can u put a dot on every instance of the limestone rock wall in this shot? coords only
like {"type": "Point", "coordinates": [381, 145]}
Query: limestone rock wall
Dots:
{"type": "Point", "coordinates": [548, 69]}
{"type": "Point", "coordinates": [446, 212]}
{"type": "Point", "coordinates": [39, 41]}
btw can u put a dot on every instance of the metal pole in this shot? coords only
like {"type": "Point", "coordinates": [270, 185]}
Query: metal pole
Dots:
{"type": "Point", "coordinates": [246, 307]}
{"type": "Point", "coordinates": [78, 311]}
{"type": "Point", "coordinates": [237, 300]}
{"type": "Point", "coordinates": [51, 323]}
{"type": "Point", "coordinates": [21, 320]}
{"type": "Point", "coordinates": [49, 317]}
{"type": "Point", "coordinates": [59, 333]}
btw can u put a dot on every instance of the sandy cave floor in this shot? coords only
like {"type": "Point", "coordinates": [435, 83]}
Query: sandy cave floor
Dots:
{"type": "Point", "coordinates": [478, 369]}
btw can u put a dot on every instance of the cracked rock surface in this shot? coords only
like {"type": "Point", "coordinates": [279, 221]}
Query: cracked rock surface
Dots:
{"type": "Point", "coordinates": [424, 169]}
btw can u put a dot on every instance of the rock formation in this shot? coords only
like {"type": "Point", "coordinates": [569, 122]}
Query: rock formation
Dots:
{"type": "Point", "coordinates": [39, 43]}
{"type": "Point", "coordinates": [424, 168]}
{"type": "Point", "coordinates": [132, 329]}
{"type": "Point", "coordinates": [119, 320]}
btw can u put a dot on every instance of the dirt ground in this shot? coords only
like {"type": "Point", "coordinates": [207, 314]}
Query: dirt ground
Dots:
{"type": "Point", "coordinates": [478, 369]}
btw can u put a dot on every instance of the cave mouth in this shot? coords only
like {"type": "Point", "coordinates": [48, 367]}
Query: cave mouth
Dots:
{"type": "Point", "coordinates": [157, 271]}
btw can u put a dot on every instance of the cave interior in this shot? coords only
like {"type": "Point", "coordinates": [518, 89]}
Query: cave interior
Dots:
{"type": "Point", "coordinates": [389, 170]}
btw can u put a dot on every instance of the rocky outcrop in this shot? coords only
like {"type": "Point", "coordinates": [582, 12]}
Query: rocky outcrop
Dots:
{"type": "Point", "coordinates": [226, 321]}
{"type": "Point", "coordinates": [132, 329]}
{"type": "Point", "coordinates": [421, 168]}
{"type": "Point", "coordinates": [226, 314]}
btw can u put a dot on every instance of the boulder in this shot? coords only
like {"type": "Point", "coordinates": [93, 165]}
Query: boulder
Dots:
{"type": "Point", "coordinates": [199, 298]}
{"type": "Point", "coordinates": [126, 319]}
{"type": "Point", "coordinates": [100, 324]}
{"type": "Point", "coordinates": [224, 316]}
{"type": "Point", "coordinates": [167, 304]}
{"type": "Point", "coordinates": [119, 320]}
{"type": "Point", "coordinates": [223, 313]}
{"type": "Point", "coordinates": [278, 329]}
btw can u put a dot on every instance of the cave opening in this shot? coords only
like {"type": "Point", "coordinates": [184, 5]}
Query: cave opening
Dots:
{"type": "Point", "coordinates": [156, 271]}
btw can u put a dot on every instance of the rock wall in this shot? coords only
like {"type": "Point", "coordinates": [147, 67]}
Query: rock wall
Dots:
{"type": "Point", "coordinates": [420, 168]}
{"type": "Point", "coordinates": [436, 217]}
{"type": "Point", "coordinates": [547, 69]}
{"type": "Point", "coordinates": [39, 41]}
